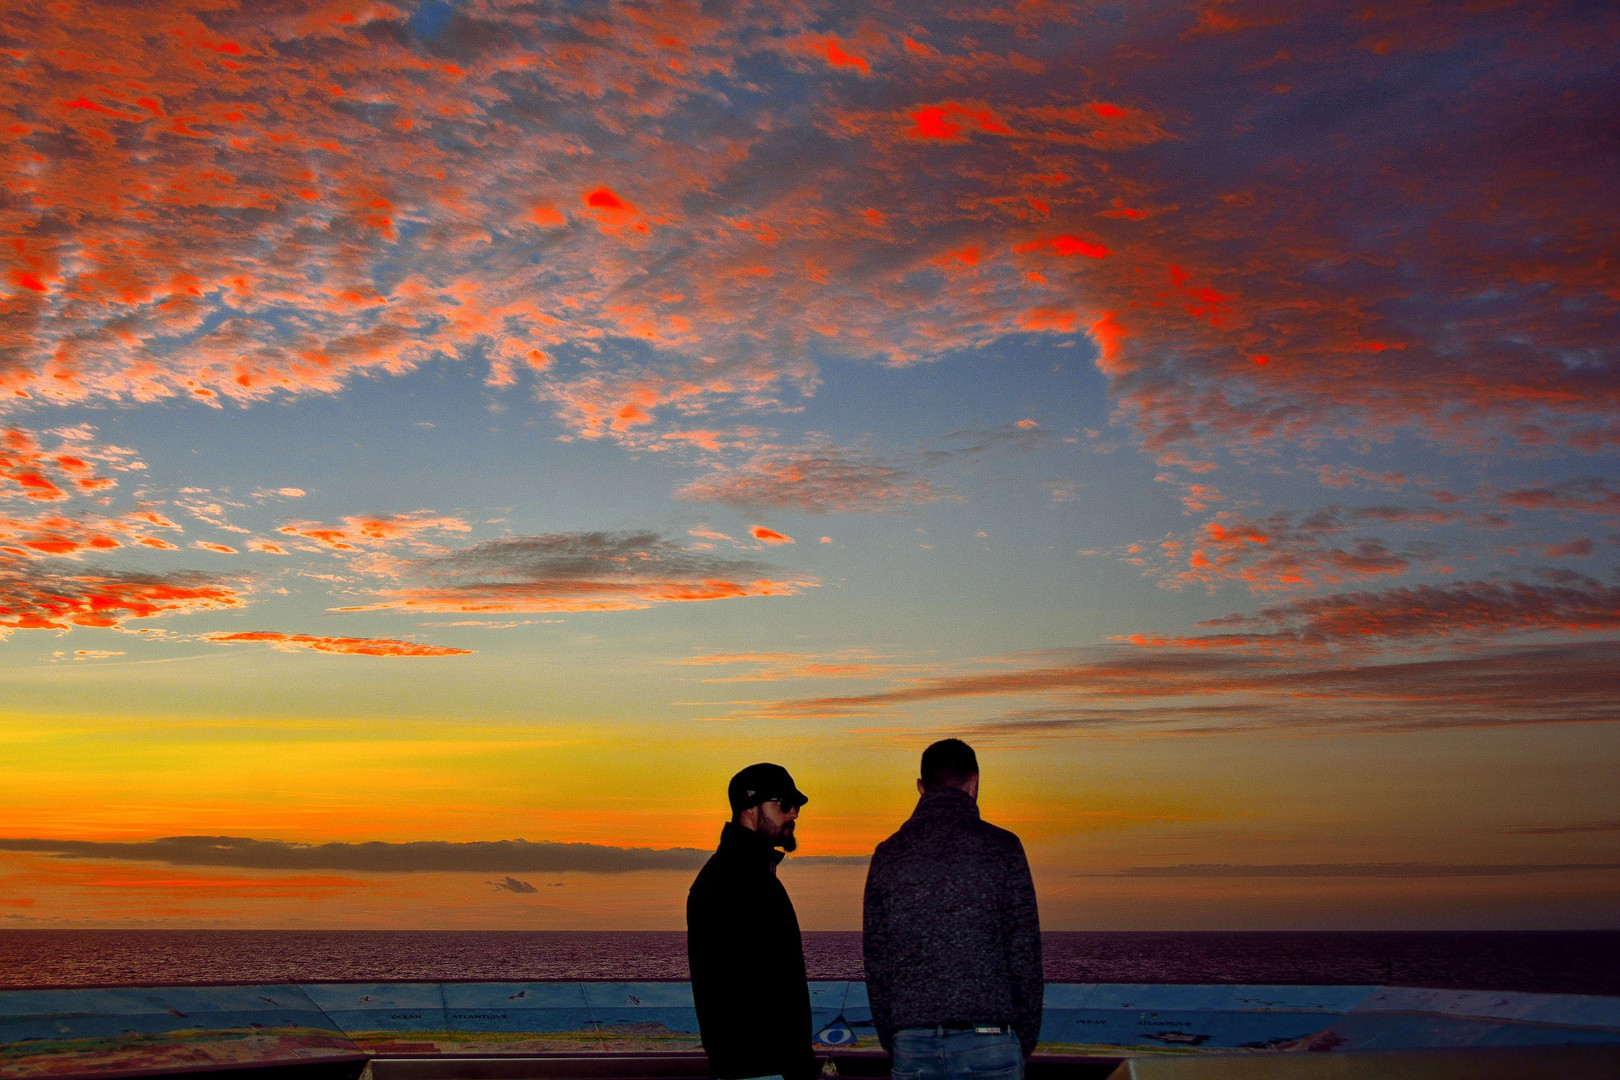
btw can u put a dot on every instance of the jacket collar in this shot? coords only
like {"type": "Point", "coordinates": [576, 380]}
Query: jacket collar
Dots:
{"type": "Point", "coordinates": [946, 803]}
{"type": "Point", "coordinates": [745, 843]}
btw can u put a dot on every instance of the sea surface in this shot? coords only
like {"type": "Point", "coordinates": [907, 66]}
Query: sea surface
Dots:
{"type": "Point", "coordinates": [1569, 962]}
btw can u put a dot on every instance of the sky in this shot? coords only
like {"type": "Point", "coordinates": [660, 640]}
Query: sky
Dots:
{"type": "Point", "coordinates": [440, 443]}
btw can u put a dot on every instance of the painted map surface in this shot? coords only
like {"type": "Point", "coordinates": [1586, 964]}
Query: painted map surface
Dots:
{"type": "Point", "coordinates": [101, 1031]}
{"type": "Point", "coordinates": [77, 1032]}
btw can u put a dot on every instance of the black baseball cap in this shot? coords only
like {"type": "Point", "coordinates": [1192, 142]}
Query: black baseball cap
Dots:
{"type": "Point", "coordinates": [762, 783]}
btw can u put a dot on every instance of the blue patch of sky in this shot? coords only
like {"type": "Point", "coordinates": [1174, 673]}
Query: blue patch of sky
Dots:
{"type": "Point", "coordinates": [430, 19]}
{"type": "Point", "coordinates": [434, 439]}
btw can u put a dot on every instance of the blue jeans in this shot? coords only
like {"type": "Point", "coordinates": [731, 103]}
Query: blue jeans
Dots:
{"type": "Point", "coordinates": [956, 1054]}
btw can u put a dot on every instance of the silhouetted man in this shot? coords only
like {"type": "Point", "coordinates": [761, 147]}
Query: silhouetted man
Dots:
{"type": "Point", "coordinates": [952, 937]}
{"type": "Point", "coordinates": [742, 938]}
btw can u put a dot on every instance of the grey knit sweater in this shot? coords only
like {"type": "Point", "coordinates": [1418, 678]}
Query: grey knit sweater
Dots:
{"type": "Point", "coordinates": [952, 935]}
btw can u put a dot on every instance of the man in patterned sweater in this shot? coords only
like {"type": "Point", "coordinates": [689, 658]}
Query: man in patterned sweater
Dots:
{"type": "Point", "coordinates": [952, 937]}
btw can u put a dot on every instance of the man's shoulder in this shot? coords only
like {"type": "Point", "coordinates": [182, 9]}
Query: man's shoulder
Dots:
{"type": "Point", "coordinates": [713, 875]}
{"type": "Point", "coordinates": [903, 840]}
{"type": "Point", "coordinates": [1001, 844]}
{"type": "Point", "coordinates": [996, 834]}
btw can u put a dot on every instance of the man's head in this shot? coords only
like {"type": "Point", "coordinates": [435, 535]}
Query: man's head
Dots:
{"type": "Point", "coordinates": [765, 799]}
{"type": "Point", "coordinates": [949, 763]}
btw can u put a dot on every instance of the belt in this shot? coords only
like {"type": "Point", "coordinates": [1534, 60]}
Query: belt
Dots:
{"type": "Point", "coordinates": [981, 1029]}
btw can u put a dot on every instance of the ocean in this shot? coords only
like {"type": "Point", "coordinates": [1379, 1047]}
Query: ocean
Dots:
{"type": "Point", "coordinates": [1569, 962]}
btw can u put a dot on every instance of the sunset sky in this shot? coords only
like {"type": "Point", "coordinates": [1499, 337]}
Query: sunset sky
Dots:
{"type": "Point", "coordinates": [430, 426]}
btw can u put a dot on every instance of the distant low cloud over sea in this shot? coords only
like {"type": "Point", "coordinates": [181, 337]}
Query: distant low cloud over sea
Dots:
{"type": "Point", "coordinates": [481, 856]}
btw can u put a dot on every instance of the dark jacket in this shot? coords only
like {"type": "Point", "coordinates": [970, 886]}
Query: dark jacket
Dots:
{"type": "Point", "coordinates": [951, 932]}
{"type": "Point", "coordinates": [747, 960]}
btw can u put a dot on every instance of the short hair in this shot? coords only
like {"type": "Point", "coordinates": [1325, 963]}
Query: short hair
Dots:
{"type": "Point", "coordinates": [948, 763]}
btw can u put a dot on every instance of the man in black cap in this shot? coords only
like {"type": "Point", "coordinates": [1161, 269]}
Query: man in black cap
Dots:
{"type": "Point", "coordinates": [742, 938]}
{"type": "Point", "coordinates": [951, 934]}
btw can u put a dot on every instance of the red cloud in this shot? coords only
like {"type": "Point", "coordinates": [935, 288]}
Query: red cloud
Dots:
{"type": "Point", "coordinates": [203, 185]}
{"type": "Point", "coordinates": [1065, 244]}
{"type": "Point", "coordinates": [836, 53]}
{"type": "Point", "coordinates": [614, 213]}
{"type": "Point", "coordinates": [1577, 549]}
{"type": "Point", "coordinates": [604, 201]}
{"type": "Point", "coordinates": [950, 119]}
{"type": "Point", "coordinates": [1340, 476]}
{"type": "Point", "coordinates": [769, 536]}
{"type": "Point", "coordinates": [347, 645]}
{"type": "Point", "coordinates": [818, 480]}
{"type": "Point", "coordinates": [968, 256]}
{"type": "Point", "coordinates": [1110, 129]}
{"type": "Point", "coordinates": [1588, 495]}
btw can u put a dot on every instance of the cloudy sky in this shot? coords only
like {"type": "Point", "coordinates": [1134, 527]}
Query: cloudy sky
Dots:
{"type": "Point", "coordinates": [441, 442]}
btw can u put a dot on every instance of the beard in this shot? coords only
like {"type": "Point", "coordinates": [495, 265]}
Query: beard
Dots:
{"type": "Point", "coordinates": [781, 836]}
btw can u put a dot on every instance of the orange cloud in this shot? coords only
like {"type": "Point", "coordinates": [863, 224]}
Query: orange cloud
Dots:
{"type": "Point", "coordinates": [1284, 552]}
{"type": "Point", "coordinates": [59, 535]}
{"type": "Point", "coordinates": [1047, 318]}
{"type": "Point", "coordinates": [769, 536]}
{"type": "Point", "coordinates": [626, 406]}
{"type": "Point", "coordinates": [348, 646]}
{"type": "Point", "coordinates": [36, 601]}
{"type": "Point", "coordinates": [1465, 610]}
{"type": "Point", "coordinates": [30, 470]}
{"type": "Point", "coordinates": [377, 530]}
{"type": "Point", "coordinates": [778, 667]}
{"type": "Point", "coordinates": [547, 216]}
{"type": "Point", "coordinates": [1154, 690]}
{"type": "Point", "coordinates": [818, 480]}
{"type": "Point", "coordinates": [575, 572]}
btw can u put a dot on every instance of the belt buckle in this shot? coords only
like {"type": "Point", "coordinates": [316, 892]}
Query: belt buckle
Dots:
{"type": "Point", "coordinates": [988, 1029]}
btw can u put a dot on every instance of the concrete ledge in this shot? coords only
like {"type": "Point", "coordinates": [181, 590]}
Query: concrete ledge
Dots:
{"type": "Point", "coordinates": [1513, 1063]}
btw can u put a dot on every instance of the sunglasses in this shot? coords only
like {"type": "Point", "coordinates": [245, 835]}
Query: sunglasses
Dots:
{"type": "Point", "coordinates": [787, 806]}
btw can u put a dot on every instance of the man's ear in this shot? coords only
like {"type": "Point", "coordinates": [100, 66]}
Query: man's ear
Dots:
{"type": "Point", "coordinates": [749, 818]}
{"type": "Point", "coordinates": [921, 789]}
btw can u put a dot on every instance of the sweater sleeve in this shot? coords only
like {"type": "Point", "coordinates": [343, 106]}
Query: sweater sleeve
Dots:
{"type": "Point", "coordinates": [875, 951]}
{"type": "Point", "coordinates": [720, 937]}
{"type": "Point", "coordinates": [1023, 936]}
